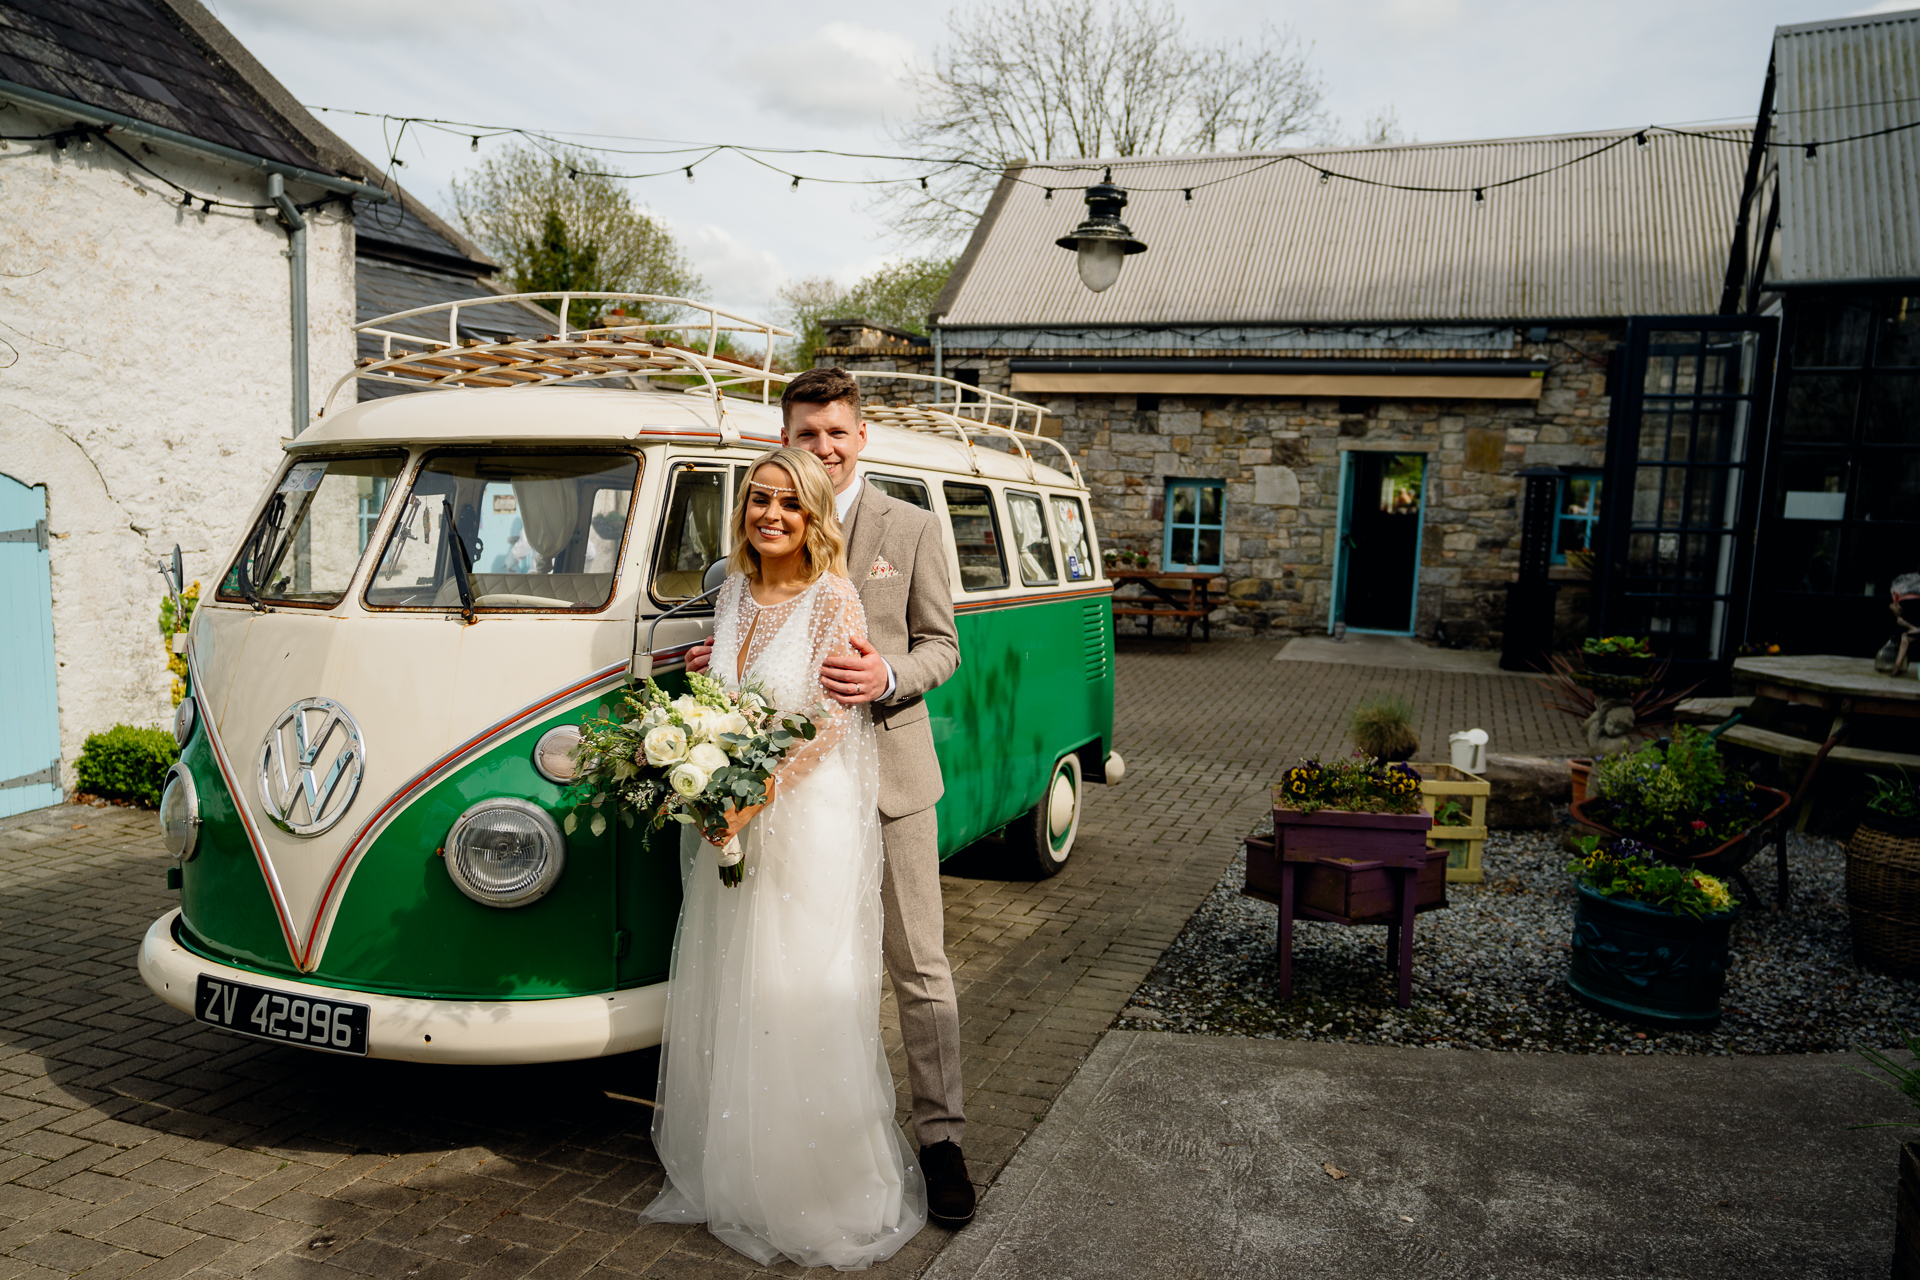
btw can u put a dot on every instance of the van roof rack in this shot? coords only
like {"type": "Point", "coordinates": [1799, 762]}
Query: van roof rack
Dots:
{"type": "Point", "coordinates": [647, 347]}
{"type": "Point", "coordinates": [631, 350]}
{"type": "Point", "coordinates": [970, 413]}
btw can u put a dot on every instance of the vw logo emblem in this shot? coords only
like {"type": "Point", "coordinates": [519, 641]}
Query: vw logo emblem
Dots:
{"type": "Point", "coordinates": [310, 766]}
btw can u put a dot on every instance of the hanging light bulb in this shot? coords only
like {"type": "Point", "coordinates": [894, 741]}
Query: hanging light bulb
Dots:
{"type": "Point", "coordinates": [186, 199]}
{"type": "Point", "coordinates": [1324, 175]}
{"type": "Point", "coordinates": [1049, 195]}
{"type": "Point", "coordinates": [923, 182]}
{"type": "Point", "coordinates": [1189, 194]}
{"type": "Point", "coordinates": [1640, 140]}
{"type": "Point", "coordinates": [689, 175]}
{"type": "Point", "coordinates": [1813, 150]}
{"type": "Point", "coordinates": [1102, 241]}
{"type": "Point", "coordinates": [795, 188]}
{"type": "Point", "coordinates": [476, 143]}
{"type": "Point", "coordinates": [1479, 195]}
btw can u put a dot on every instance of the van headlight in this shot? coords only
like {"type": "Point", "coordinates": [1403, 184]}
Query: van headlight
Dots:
{"type": "Point", "coordinates": [179, 813]}
{"type": "Point", "coordinates": [505, 853]}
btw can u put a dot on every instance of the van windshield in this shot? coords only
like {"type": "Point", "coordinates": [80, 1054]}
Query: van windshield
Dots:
{"type": "Point", "coordinates": [309, 537]}
{"type": "Point", "coordinates": [534, 531]}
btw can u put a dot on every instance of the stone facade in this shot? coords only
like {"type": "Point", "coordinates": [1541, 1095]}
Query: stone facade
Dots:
{"type": "Point", "coordinates": [1280, 461]}
{"type": "Point", "coordinates": [149, 389]}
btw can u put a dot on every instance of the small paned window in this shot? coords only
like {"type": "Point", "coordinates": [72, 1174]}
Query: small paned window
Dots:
{"type": "Point", "coordinates": [309, 538]}
{"type": "Point", "coordinates": [1576, 515]}
{"type": "Point", "coordinates": [976, 536]}
{"type": "Point", "coordinates": [690, 540]}
{"type": "Point", "coordinates": [1196, 524]}
{"type": "Point", "coordinates": [1070, 518]}
{"type": "Point", "coordinates": [1030, 541]}
{"type": "Point", "coordinates": [905, 490]}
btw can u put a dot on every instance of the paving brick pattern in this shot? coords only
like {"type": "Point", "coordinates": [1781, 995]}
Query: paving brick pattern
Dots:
{"type": "Point", "coordinates": [135, 1142]}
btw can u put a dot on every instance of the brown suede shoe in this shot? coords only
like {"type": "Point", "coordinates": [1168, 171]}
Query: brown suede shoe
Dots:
{"type": "Point", "coordinates": [949, 1193]}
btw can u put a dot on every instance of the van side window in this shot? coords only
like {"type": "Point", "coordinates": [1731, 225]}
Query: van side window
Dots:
{"type": "Point", "coordinates": [690, 538]}
{"type": "Point", "coordinates": [1030, 541]}
{"type": "Point", "coordinates": [905, 490]}
{"type": "Point", "coordinates": [976, 536]}
{"type": "Point", "coordinates": [1071, 519]}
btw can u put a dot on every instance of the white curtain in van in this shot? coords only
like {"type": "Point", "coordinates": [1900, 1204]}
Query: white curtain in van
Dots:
{"type": "Point", "coordinates": [549, 513]}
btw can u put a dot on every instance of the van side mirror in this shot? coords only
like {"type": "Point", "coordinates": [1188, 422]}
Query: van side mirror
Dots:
{"type": "Point", "coordinates": [642, 665]}
{"type": "Point", "coordinates": [715, 575]}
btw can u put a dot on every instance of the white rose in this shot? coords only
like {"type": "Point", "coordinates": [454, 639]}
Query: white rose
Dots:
{"type": "Point", "coordinates": [665, 745]}
{"type": "Point", "coordinates": [708, 757]}
{"type": "Point", "coordinates": [685, 706]}
{"type": "Point", "coordinates": [655, 717]}
{"type": "Point", "coordinates": [727, 722]}
{"type": "Point", "coordinates": [687, 779]}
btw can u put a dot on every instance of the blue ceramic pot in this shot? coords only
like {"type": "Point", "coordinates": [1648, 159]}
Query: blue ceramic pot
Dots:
{"type": "Point", "coordinates": [1648, 964]}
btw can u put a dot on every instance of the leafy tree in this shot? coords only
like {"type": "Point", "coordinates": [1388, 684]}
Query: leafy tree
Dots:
{"type": "Point", "coordinates": [552, 223]}
{"type": "Point", "coordinates": [1055, 79]}
{"type": "Point", "coordinates": [898, 295]}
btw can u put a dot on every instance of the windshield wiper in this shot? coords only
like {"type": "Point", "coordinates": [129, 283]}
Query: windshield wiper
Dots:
{"type": "Point", "coordinates": [457, 552]}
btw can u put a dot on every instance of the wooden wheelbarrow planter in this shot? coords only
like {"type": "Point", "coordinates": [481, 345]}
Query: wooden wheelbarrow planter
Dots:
{"type": "Point", "coordinates": [1350, 868]}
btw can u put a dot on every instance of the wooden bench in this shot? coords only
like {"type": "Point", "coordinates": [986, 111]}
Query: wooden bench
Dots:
{"type": "Point", "coordinates": [1181, 597]}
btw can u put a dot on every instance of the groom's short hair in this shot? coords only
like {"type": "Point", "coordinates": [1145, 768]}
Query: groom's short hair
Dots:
{"type": "Point", "coordinates": [819, 386]}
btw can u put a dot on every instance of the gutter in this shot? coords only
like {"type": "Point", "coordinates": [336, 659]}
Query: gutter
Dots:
{"type": "Point", "coordinates": [296, 291]}
{"type": "Point", "coordinates": [1285, 365]}
{"type": "Point", "coordinates": [187, 142]}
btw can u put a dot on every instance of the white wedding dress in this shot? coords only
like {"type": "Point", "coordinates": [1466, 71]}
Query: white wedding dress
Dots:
{"type": "Point", "coordinates": [776, 1106]}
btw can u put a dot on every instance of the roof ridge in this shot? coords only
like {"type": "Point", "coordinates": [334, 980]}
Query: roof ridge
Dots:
{"type": "Point", "coordinates": [1592, 135]}
{"type": "Point", "coordinates": [1852, 20]}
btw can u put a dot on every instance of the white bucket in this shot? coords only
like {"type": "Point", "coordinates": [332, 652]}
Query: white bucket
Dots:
{"type": "Point", "coordinates": [1469, 749]}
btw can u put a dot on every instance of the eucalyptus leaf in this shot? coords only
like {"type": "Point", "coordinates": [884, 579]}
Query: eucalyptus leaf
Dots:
{"type": "Point", "coordinates": [599, 824]}
{"type": "Point", "coordinates": [573, 820]}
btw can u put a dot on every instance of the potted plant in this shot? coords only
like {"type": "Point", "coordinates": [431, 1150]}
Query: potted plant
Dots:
{"type": "Point", "coordinates": [1906, 1217]}
{"type": "Point", "coordinates": [1382, 727]}
{"type": "Point", "coordinates": [1649, 939]}
{"type": "Point", "coordinates": [1571, 691]}
{"type": "Point", "coordinates": [1356, 811]}
{"type": "Point", "coordinates": [1883, 878]}
{"type": "Point", "coordinates": [1626, 656]}
{"type": "Point", "coordinates": [1678, 799]}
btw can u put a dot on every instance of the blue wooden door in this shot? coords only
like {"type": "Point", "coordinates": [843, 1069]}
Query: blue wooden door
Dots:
{"type": "Point", "coordinates": [29, 701]}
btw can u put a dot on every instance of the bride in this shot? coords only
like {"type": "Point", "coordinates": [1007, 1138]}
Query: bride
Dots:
{"type": "Point", "coordinates": [776, 1107]}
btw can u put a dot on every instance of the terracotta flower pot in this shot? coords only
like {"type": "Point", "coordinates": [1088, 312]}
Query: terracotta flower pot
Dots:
{"type": "Point", "coordinates": [1577, 769]}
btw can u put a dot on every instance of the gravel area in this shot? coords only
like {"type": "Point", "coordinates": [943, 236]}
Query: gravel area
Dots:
{"type": "Point", "coordinates": [1489, 971]}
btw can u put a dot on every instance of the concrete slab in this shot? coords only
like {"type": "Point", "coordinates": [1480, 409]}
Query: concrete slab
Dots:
{"type": "Point", "coordinates": [1180, 1156]}
{"type": "Point", "coordinates": [1402, 652]}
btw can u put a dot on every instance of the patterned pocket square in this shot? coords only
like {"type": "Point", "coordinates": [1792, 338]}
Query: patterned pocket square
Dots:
{"type": "Point", "coordinates": [881, 569]}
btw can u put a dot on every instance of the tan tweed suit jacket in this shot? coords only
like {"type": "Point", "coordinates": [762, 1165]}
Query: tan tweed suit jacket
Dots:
{"type": "Point", "coordinates": [898, 560]}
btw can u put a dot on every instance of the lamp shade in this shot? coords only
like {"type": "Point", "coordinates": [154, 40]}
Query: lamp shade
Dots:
{"type": "Point", "coordinates": [1102, 242]}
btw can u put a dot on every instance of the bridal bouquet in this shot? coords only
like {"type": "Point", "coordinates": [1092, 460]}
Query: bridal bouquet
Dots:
{"type": "Point", "coordinates": [688, 759]}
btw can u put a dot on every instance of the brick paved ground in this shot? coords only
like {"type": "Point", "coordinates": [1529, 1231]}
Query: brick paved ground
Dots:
{"type": "Point", "coordinates": [132, 1142]}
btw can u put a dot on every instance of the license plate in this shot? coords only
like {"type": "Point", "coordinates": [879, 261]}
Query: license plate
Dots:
{"type": "Point", "coordinates": [288, 1019]}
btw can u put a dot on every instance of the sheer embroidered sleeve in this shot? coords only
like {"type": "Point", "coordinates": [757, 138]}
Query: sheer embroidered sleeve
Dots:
{"type": "Point", "coordinates": [835, 619]}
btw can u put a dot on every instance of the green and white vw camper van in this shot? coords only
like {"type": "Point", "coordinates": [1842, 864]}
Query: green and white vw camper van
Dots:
{"type": "Point", "coordinates": [438, 587]}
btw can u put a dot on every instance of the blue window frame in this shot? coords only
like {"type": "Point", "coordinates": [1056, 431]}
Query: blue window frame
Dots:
{"type": "Point", "coordinates": [1196, 532]}
{"type": "Point", "coordinates": [1576, 513]}
{"type": "Point", "coordinates": [373, 496]}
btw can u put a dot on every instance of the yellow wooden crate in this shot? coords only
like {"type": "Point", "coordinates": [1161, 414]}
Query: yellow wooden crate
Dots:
{"type": "Point", "coordinates": [1440, 783]}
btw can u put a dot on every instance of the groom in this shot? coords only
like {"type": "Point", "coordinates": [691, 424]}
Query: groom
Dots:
{"type": "Point", "coordinates": [897, 558]}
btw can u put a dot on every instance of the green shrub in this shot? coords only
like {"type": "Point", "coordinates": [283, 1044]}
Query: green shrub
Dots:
{"type": "Point", "coordinates": [1382, 727]}
{"type": "Point", "coordinates": [126, 763]}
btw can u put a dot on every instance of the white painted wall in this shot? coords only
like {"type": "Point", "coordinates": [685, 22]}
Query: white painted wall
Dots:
{"type": "Point", "coordinates": [148, 387]}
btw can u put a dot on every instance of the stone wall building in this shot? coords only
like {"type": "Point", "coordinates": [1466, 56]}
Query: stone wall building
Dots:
{"type": "Point", "coordinates": [1354, 374]}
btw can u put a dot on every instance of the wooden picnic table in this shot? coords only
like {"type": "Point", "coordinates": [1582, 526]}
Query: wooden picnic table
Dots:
{"type": "Point", "coordinates": [1849, 690]}
{"type": "Point", "coordinates": [1181, 596]}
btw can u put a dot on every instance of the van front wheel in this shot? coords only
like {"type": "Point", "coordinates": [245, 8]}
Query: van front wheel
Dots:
{"type": "Point", "coordinates": [1046, 832]}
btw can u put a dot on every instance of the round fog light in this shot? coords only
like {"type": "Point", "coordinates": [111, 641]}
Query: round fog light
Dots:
{"type": "Point", "coordinates": [553, 754]}
{"type": "Point", "coordinates": [179, 813]}
{"type": "Point", "coordinates": [183, 717]}
{"type": "Point", "coordinates": [505, 853]}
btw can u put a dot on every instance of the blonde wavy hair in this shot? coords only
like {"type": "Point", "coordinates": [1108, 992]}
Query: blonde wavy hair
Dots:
{"type": "Point", "coordinates": [825, 547]}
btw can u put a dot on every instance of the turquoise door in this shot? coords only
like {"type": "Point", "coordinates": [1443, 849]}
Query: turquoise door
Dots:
{"type": "Point", "coordinates": [29, 704]}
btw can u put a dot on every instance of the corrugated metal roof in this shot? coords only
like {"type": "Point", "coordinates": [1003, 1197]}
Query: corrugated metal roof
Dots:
{"type": "Point", "coordinates": [1636, 231]}
{"type": "Point", "coordinates": [1850, 213]}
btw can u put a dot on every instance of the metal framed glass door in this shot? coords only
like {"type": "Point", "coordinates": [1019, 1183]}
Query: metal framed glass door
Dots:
{"type": "Point", "coordinates": [1680, 496]}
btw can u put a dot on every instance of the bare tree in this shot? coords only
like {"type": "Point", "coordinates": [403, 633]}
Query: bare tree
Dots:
{"type": "Point", "coordinates": [1041, 80]}
{"type": "Point", "coordinates": [551, 224]}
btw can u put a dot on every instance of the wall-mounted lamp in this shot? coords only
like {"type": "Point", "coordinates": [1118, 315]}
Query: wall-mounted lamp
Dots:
{"type": "Point", "coordinates": [1102, 240]}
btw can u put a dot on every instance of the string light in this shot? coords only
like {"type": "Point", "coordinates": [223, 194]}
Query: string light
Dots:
{"type": "Point", "coordinates": [689, 175]}
{"type": "Point", "coordinates": [1189, 194]}
{"type": "Point", "coordinates": [796, 183]}
{"type": "Point", "coordinates": [1324, 175]}
{"type": "Point", "coordinates": [186, 199]}
{"type": "Point", "coordinates": [1049, 194]}
{"type": "Point", "coordinates": [1640, 139]}
{"type": "Point", "coordinates": [1813, 150]}
{"type": "Point", "coordinates": [476, 143]}
{"type": "Point", "coordinates": [1479, 195]}
{"type": "Point", "coordinates": [923, 182]}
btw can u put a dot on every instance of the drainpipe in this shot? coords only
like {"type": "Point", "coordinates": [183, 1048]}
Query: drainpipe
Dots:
{"type": "Point", "coordinates": [938, 370]}
{"type": "Point", "coordinates": [297, 269]}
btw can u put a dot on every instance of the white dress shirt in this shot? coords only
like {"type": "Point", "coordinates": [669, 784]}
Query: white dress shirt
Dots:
{"type": "Point", "coordinates": [843, 503]}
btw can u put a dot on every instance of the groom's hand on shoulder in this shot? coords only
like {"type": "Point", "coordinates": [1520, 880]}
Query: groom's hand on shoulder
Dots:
{"type": "Point", "coordinates": [853, 678]}
{"type": "Point", "coordinates": [698, 657]}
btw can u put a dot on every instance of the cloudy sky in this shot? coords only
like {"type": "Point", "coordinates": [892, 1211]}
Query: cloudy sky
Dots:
{"type": "Point", "coordinates": [791, 73]}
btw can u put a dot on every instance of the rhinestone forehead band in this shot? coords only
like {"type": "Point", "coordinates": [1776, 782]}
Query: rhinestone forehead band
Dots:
{"type": "Point", "coordinates": [755, 484]}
